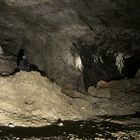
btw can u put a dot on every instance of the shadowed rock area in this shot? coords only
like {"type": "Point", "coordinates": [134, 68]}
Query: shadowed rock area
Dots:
{"type": "Point", "coordinates": [109, 55]}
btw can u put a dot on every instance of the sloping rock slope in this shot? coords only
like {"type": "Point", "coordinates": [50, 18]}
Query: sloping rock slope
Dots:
{"type": "Point", "coordinates": [28, 99]}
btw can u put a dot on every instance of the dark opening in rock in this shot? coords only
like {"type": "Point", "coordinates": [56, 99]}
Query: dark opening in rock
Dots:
{"type": "Point", "coordinates": [110, 55]}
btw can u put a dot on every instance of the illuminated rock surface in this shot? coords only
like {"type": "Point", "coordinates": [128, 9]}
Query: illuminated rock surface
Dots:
{"type": "Point", "coordinates": [28, 99]}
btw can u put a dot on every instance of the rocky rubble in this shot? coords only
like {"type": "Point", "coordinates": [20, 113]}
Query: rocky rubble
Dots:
{"type": "Point", "coordinates": [28, 99]}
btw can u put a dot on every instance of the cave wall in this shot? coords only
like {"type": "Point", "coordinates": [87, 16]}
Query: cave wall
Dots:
{"type": "Point", "coordinates": [47, 29]}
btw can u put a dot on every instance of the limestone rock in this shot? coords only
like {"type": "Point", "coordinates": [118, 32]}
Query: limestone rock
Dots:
{"type": "Point", "coordinates": [7, 65]}
{"type": "Point", "coordinates": [46, 29]}
{"type": "Point", "coordinates": [138, 74]}
{"type": "Point", "coordinates": [100, 93]}
{"type": "Point", "coordinates": [1, 51]}
{"type": "Point", "coordinates": [24, 2]}
{"type": "Point", "coordinates": [28, 99]}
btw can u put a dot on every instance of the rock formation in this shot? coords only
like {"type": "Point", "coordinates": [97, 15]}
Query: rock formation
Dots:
{"type": "Point", "coordinates": [110, 55]}
{"type": "Point", "coordinates": [28, 99]}
{"type": "Point", "coordinates": [47, 29]}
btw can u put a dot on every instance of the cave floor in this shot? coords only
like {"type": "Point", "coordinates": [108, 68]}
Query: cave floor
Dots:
{"type": "Point", "coordinates": [111, 128]}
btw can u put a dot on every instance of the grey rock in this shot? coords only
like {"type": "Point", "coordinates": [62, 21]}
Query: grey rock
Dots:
{"type": "Point", "coordinates": [46, 29]}
{"type": "Point", "coordinates": [1, 51]}
{"type": "Point", "coordinates": [7, 65]}
{"type": "Point", "coordinates": [138, 74]}
{"type": "Point", "coordinates": [28, 99]}
{"type": "Point", "coordinates": [100, 93]}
